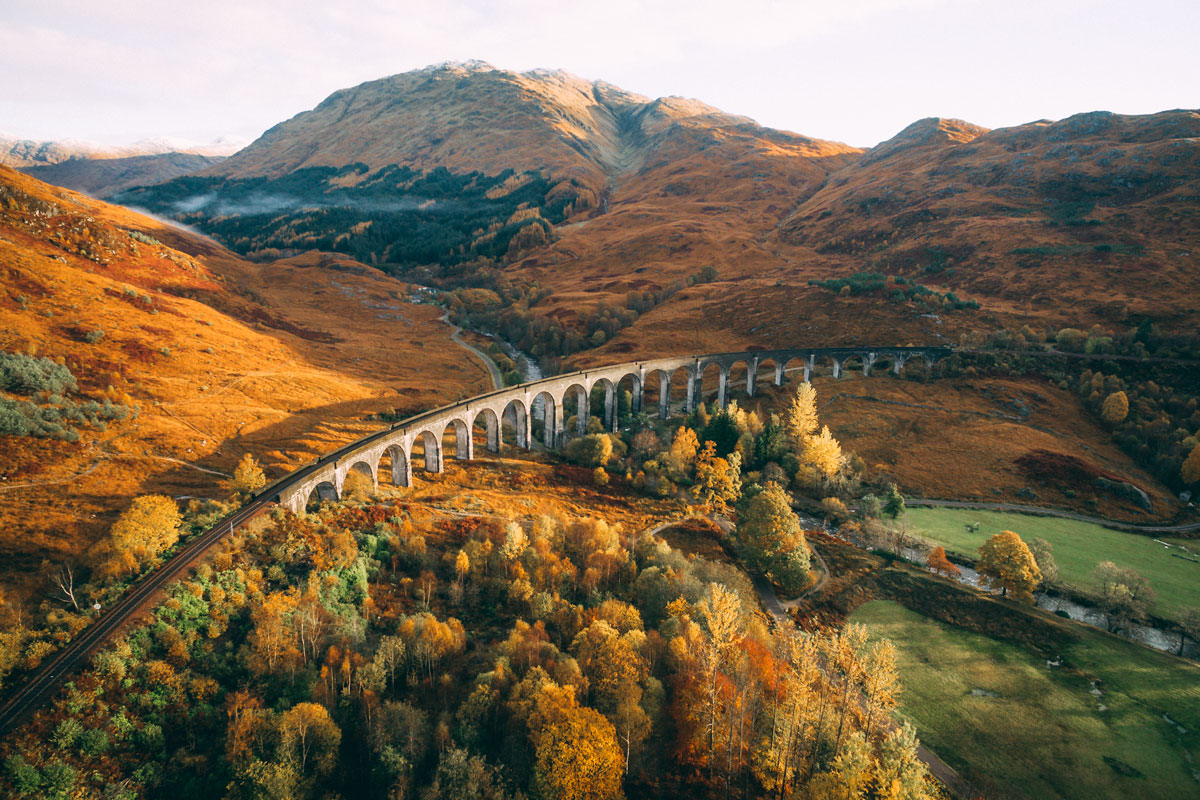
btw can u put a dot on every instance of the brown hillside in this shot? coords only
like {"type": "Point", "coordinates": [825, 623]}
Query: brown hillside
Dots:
{"type": "Point", "coordinates": [221, 357]}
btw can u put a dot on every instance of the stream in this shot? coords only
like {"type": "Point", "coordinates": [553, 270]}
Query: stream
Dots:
{"type": "Point", "coordinates": [1148, 635]}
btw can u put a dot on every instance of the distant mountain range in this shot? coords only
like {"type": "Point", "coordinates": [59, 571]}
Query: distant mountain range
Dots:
{"type": "Point", "coordinates": [468, 173]}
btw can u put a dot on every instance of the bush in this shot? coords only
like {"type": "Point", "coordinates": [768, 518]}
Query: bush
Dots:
{"type": "Point", "coordinates": [593, 450]}
{"type": "Point", "coordinates": [91, 337]}
{"type": "Point", "coordinates": [599, 476]}
{"type": "Point", "coordinates": [22, 374]}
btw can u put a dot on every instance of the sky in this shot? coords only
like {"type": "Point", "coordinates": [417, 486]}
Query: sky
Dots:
{"type": "Point", "coordinates": [856, 71]}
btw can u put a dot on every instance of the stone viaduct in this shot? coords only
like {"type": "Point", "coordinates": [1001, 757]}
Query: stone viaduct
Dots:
{"type": "Point", "coordinates": [392, 450]}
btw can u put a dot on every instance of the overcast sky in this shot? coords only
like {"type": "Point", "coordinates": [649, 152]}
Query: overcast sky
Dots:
{"type": "Point", "coordinates": [851, 70]}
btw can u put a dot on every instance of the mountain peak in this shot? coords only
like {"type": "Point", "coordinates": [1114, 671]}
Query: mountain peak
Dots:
{"type": "Point", "coordinates": [928, 132]}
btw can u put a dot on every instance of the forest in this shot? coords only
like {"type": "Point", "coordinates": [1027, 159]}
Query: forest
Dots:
{"type": "Point", "coordinates": [394, 217]}
{"type": "Point", "coordinates": [379, 646]}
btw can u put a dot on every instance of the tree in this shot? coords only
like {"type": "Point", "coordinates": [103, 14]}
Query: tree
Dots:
{"type": "Point", "coordinates": [1189, 623]}
{"type": "Point", "coordinates": [1115, 408]}
{"type": "Point", "coordinates": [148, 527]}
{"type": "Point", "coordinates": [248, 477]}
{"type": "Point", "coordinates": [1190, 471]}
{"type": "Point", "coordinates": [462, 566]}
{"type": "Point", "coordinates": [893, 503]}
{"type": "Point", "coordinates": [309, 739]}
{"type": "Point", "coordinates": [1123, 594]}
{"type": "Point", "coordinates": [823, 453]}
{"type": "Point", "coordinates": [722, 431]}
{"type": "Point", "coordinates": [593, 450]}
{"type": "Point", "coordinates": [1005, 561]}
{"type": "Point", "coordinates": [600, 476]}
{"type": "Point", "coordinates": [1043, 554]}
{"type": "Point", "coordinates": [771, 533]}
{"type": "Point", "coordinates": [576, 753]}
{"type": "Point", "coordinates": [800, 417]}
{"type": "Point", "coordinates": [682, 455]}
{"type": "Point", "coordinates": [938, 562]}
{"type": "Point", "coordinates": [718, 480]}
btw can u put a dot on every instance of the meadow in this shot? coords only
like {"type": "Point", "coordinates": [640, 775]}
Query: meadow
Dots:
{"type": "Point", "coordinates": [1078, 548]}
{"type": "Point", "coordinates": [1095, 726]}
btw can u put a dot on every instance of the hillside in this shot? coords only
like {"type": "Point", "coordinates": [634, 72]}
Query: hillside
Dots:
{"type": "Point", "coordinates": [589, 209]}
{"type": "Point", "coordinates": [1098, 208]}
{"type": "Point", "coordinates": [183, 356]}
{"type": "Point", "coordinates": [102, 177]}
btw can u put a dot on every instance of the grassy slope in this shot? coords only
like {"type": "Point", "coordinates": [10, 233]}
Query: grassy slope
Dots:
{"type": "Point", "coordinates": [1044, 736]}
{"type": "Point", "coordinates": [1078, 548]}
{"type": "Point", "coordinates": [283, 360]}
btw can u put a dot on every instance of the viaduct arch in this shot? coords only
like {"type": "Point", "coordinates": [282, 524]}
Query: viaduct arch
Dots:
{"type": "Point", "coordinates": [514, 406]}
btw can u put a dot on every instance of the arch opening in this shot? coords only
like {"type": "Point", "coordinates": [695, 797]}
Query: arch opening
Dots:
{"type": "Point", "coordinates": [575, 410]}
{"type": "Point", "coordinates": [485, 431]}
{"type": "Point", "coordinates": [426, 451]}
{"type": "Point", "coordinates": [514, 424]}
{"type": "Point", "coordinates": [323, 492]}
{"type": "Point", "coordinates": [547, 425]}
{"type": "Point", "coordinates": [629, 399]}
{"type": "Point", "coordinates": [603, 403]}
{"type": "Point", "coordinates": [393, 465]}
{"type": "Point", "coordinates": [456, 439]}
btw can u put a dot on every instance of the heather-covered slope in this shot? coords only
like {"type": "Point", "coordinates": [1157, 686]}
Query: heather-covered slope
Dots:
{"type": "Point", "coordinates": [181, 358]}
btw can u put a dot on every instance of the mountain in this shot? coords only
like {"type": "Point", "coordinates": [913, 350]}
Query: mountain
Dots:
{"type": "Point", "coordinates": [16, 152]}
{"type": "Point", "coordinates": [608, 222]}
{"type": "Point", "coordinates": [103, 177]}
{"type": "Point", "coordinates": [465, 166]}
{"type": "Point", "coordinates": [1095, 216]}
{"type": "Point", "coordinates": [102, 170]}
{"type": "Point", "coordinates": [164, 357]}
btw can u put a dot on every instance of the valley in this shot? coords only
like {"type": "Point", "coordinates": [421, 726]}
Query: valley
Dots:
{"type": "Point", "coordinates": [492, 434]}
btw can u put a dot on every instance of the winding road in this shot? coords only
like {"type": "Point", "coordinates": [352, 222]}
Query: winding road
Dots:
{"type": "Point", "coordinates": [493, 370]}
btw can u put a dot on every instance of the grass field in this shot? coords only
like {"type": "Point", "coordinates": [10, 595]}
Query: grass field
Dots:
{"type": "Point", "coordinates": [1016, 727]}
{"type": "Point", "coordinates": [1078, 548]}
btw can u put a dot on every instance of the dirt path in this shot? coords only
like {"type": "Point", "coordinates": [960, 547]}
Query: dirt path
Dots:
{"type": "Point", "coordinates": [1038, 511]}
{"type": "Point", "coordinates": [493, 370]}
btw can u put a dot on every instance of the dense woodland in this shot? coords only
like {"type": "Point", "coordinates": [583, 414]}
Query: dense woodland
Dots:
{"type": "Point", "coordinates": [350, 651]}
{"type": "Point", "coordinates": [394, 217]}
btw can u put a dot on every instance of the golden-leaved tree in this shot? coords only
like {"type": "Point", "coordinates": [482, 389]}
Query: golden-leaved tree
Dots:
{"type": "Point", "coordinates": [1115, 408]}
{"type": "Point", "coordinates": [718, 480]}
{"type": "Point", "coordinates": [248, 477]}
{"type": "Point", "coordinates": [800, 418]}
{"type": "Point", "coordinates": [148, 527]}
{"type": "Point", "coordinates": [1190, 472]}
{"type": "Point", "coordinates": [576, 753]}
{"type": "Point", "coordinates": [770, 533]}
{"type": "Point", "coordinates": [1006, 561]}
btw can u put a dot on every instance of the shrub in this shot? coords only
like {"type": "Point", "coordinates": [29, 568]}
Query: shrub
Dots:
{"type": "Point", "coordinates": [599, 476]}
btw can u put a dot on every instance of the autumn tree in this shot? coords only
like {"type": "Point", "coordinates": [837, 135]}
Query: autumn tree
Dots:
{"type": "Point", "coordinates": [770, 532]}
{"type": "Point", "coordinates": [823, 453]}
{"type": "Point", "coordinates": [1043, 554]}
{"type": "Point", "coordinates": [800, 418]}
{"type": "Point", "coordinates": [681, 457]}
{"type": "Point", "coordinates": [718, 480]}
{"type": "Point", "coordinates": [1190, 471]}
{"type": "Point", "coordinates": [1124, 594]}
{"type": "Point", "coordinates": [938, 562]}
{"type": "Point", "coordinates": [248, 477]}
{"type": "Point", "coordinates": [1115, 408]}
{"type": "Point", "coordinates": [1006, 562]}
{"type": "Point", "coordinates": [148, 527]}
{"type": "Point", "coordinates": [576, 753]}
{"type": "Point", "coordinates": [309, 739]}
{"type": "Point", "coordinates": [593, 450]}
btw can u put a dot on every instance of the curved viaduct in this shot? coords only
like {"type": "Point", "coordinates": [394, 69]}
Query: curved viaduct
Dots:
{"type": "Point", "coordinates": [518, 404]}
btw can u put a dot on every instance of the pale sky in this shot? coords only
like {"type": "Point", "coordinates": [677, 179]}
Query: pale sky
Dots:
{"type": "Point", "coordinates": [856, 71]}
